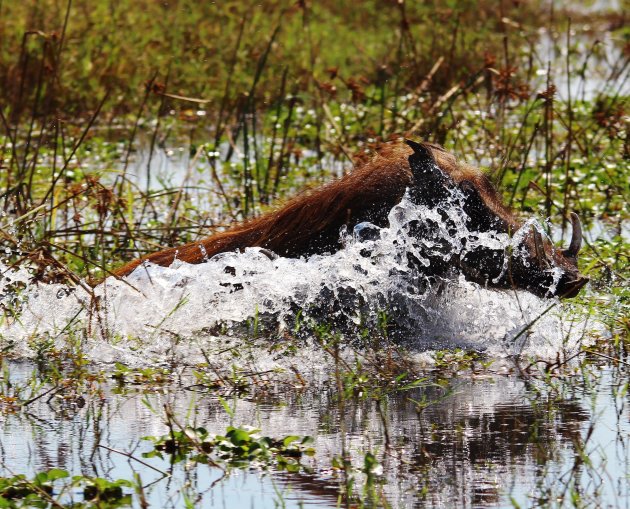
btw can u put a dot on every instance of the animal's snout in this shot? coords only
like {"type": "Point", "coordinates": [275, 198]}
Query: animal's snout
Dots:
{"type": "Point", "coordinates": [571, 288]}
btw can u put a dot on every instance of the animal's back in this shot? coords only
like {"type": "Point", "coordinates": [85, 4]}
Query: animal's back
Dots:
{"type": "Point", "coordinates": [309, 223]}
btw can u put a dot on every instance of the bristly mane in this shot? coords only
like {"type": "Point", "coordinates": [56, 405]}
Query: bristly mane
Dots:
{"type": "Point", "coordinates": [310, 223]}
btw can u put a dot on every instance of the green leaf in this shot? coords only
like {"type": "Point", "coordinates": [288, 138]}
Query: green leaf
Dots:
{"type": "Point", "coordinates": [41, 478]}
{"type": "Point", "coordinates": [238, 436]}
{"type": "Point", "coordinates": [292, 467]}
{"type": "Point", "coordinates": [57, 473]}
{"type": "Point", "coordinates": [290, 439]}
{"type": "Point", "coordinates": [226, 407]}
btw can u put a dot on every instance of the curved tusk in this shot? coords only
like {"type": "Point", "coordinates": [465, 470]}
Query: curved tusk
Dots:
{"type": "Point", "coordinates": [576, 237]}
{"type": "Point", "coordinates": [268, 253]}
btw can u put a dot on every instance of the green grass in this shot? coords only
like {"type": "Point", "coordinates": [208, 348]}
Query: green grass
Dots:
{"type": "Point", "coordinates": [90, 49]}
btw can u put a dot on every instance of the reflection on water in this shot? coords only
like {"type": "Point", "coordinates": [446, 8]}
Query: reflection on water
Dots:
{"type": "Point", "coordinates": [599, 52]}
{"type": "Point", "coordinates": [477, 443]}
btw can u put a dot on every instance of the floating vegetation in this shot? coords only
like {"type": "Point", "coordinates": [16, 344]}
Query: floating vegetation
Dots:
{"type": "Point", "coordinates": [56, 488]}
{"type": "Point", "coordinates": [240, 447]}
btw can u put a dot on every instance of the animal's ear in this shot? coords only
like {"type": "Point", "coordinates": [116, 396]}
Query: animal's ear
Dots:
{"type": "Point", "coordinates": [431, 183]}
{"type": "Point", "coordinates": [423, 164]}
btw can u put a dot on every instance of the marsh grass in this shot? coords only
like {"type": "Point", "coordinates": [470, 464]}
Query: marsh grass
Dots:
{"type": "Point", "coordinates": [264, 102]}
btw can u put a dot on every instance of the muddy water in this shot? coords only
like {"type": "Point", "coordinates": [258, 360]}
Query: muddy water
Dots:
{"type": "Point", "coordinates": [482, 442]}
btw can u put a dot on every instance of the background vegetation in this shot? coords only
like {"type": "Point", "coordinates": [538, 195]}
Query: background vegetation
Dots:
{"type": "Point", "coordinates": [270, 98]}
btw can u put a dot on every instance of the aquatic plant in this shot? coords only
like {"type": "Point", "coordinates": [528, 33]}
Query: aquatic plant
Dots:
{"type": "Point", "coordinates": [55, 488]}
{"type": "Point", "coordinates": [240, 448]}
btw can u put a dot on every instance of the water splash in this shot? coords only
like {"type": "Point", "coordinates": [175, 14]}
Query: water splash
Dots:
{"type": "Point", "coordinates": [162, 313]}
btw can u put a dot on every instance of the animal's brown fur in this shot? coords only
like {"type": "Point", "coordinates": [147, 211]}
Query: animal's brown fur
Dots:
{"type": "Point", "coordinates": [310, 223]}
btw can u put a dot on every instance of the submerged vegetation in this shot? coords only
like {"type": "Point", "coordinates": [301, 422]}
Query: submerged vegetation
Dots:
{"type": "Point", "coordinates": [130, 126]}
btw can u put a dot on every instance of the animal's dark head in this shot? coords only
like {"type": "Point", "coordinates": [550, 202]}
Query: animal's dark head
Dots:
{"type": "Point", "coordinates": [524, 260]}
{"type": "Point", "coordinates": [539, 267]}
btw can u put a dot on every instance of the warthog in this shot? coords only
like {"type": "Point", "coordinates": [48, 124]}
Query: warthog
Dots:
{"type": "Point", "coordinates": [310, 223]}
